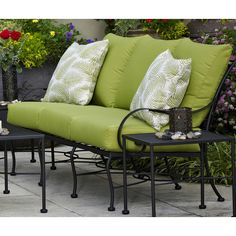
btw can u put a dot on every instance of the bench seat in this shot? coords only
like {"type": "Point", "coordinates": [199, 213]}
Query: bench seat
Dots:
{"type": "Point", "coordinates": [92, 125]}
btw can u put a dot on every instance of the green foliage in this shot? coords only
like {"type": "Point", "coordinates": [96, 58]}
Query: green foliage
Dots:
{"type": "Point", "coordinates": [122, 26]}
{"type": "Point", "coordinates": [167, 29]}
{"type": "Point", "coordinates": [110, 25]}
{"type": "Point", "coordinates": [175, 31]}
{"type": "Point", "coordinates": [8, 53]}
{"type": "Point", "coordinates": [9, 24]}
{"type": "Point", "coordinates": [33, 52]}
{"type": "Point", "coordinates": [219, 160]}
{"type": "Point", "coordinates": [54, 35]}
{"type": "Point", "coordinates": [225, 112]}
{"type": "Point", "coordinates": [219, 156]}
{"type": "Point", "coordinates": [27, 49]}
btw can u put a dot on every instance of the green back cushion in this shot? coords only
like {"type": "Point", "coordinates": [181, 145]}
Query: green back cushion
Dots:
{"type": "Point", "coordinates": [209, 63]}
{"type": "Point", "coordinates": [113, 69]}
{"type": "Point", "coordinates": [129, 58]}
{"type": "Point", "coordinates": [126, 63]}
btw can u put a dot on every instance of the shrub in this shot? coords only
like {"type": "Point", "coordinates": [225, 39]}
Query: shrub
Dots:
{"type": "Point", "coordinates": [57, 37]}
{"type": "Point", "coordinates": [225, 113]}
{"type": "Point", "coordinates": [167, 29]}
{"type": "Point", "coordinates": [33, 52]}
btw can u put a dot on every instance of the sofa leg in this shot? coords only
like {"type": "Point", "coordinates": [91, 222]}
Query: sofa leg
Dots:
{"type": "Point", "coordinates": [208, 172]}
{"type": "Point", "coordinates": [74, 174]}
{"type": "Point", "coordinates": [32, 151]}
{"type": "Point", "coordinates": [177, 186]}
{"type": "Point", "coordinates": [108, 165]}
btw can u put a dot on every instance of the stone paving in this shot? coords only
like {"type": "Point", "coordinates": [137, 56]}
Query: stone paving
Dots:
{"type": "Point", "coordinates": [24, 199]}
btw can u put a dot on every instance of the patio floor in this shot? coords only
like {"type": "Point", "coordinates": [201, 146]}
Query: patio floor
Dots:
{"type": "Point", "coordinates": [93, 194]}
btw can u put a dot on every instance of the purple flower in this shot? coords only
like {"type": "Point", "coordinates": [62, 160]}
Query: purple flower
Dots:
{"type": "Point", "coordinates": [71, 26]}
{"type": "Point", "coordinates": [227, 82]}
{"type": "Point", "coordinates": [222, 41]}
{"type": "Point", "coordinates": [232, 58]}
{"type": "Point", "coordinates": [68, 35]}
{"type": "Point", "coordinates": [221, 100]}
{"type": "Point", "coordinates": [234, 70]}
{"type": "Point", "coordinates": [232, 85]}
{"type": "Point", "coordinates": [89, 41]}
{"type": "Point", "coordinates": [229, 93]}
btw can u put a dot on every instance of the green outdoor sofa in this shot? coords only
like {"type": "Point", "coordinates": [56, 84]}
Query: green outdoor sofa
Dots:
{"type": "Point", "coordinates": [94, 127]}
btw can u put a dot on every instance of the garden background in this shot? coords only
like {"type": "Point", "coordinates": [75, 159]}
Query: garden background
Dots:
{"type": "Point", "coordinates": [39, 43]}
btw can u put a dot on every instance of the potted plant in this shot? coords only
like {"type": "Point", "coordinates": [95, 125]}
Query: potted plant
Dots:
{"type": "Point", "coordinates": [18, 49]}
{"type": "Point", "coordinates": [157, 28]}
{"type": "Point", "coordinates": [41, 43]}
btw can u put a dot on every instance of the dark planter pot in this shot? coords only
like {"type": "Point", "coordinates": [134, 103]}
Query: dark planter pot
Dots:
{"type": "Point", "coordinates": [31, 84]}
{"type": "Point", "coordinates": [9, 84]}
{"type": "Point", "coordinates": [197, 27]}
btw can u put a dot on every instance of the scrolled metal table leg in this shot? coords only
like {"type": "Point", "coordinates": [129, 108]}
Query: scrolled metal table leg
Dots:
{"type": "Point", "coordinates": [233, 177]}
{"type": "Point", "coordinates": [40, 183]}
{"type": "Point", "coordinates": [43, 177]}
{"type": "Point", "coordinates": [74, 194]}
{"type": "Point", "coordinates": [125, 211]}
{"type": "Point", "coordinates": [13, 169]}
{"type": "Point", "coordinates": [111, 187]}
{"type": "Point", "coordinates": [6, 190]}
{"type": "Point", "coordinates": [220, 198]}
{"type": "Point", "coordinates": [53, 166]}
{"type": "Point", "coordinates": [152, 182]}
{"type": "Point", "coordinates": [202, 156]}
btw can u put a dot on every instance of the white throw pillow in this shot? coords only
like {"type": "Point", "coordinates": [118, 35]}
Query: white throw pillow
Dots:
{"type": "Point", "coordinates": [76, 74]}
{"type": "Point", "coordinates": [163, 87]}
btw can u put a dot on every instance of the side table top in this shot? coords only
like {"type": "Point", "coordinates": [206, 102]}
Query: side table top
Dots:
{"type": "Point", "coordinates": [18, 133]}
{"type": "Point", "coordinates": [151, 139]}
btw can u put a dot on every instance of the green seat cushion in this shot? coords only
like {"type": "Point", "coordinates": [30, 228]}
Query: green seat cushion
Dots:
{"type": "Point", "coordinates": [93, 125]}
{"type": "Point", "coordinates": [209, 63]}
{"type": "Point", "coordinates": [125, 65]}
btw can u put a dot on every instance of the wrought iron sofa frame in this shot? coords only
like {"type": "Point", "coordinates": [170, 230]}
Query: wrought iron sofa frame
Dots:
{"type": "Point", "coordinates": [107, 157]}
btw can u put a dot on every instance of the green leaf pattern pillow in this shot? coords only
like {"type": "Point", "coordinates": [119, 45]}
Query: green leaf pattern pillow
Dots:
{"type": "Point", "coordinates": [76, 74]}
{"type": "Point", "coordinates": [163, 87]}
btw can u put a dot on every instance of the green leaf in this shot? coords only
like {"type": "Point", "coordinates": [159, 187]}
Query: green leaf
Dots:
{"type": "Point", "coordinates": [18, 69]}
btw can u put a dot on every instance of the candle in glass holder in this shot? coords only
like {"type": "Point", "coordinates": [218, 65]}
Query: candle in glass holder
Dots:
{"type": "Point", "coordinates": [0, 126]}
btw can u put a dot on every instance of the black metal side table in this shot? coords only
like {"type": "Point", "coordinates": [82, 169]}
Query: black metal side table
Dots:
{"type": "Point", "coordinates": [17, 133]}
{"type": "Point", "coordinates": [149, 139]}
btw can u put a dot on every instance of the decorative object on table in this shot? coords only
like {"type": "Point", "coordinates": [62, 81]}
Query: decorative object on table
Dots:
{"type": "Point", "coordinates": [5, 103]}
{"type": "Point", "coordinates": [3, 131]}
{"type": "Point", "coordinates": [180, 119]}
{"type": "Point", "coordinates": [163, 87]}
{"type": "Point", "coordinates": [167, 135]}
